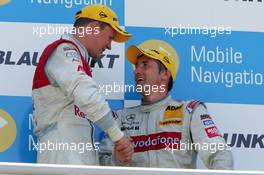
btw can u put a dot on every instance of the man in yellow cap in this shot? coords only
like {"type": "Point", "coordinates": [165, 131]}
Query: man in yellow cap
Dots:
{"type": "Point", "coordinates": [66, 100]}
{"type": "Point", "coordinates": [166, 133]}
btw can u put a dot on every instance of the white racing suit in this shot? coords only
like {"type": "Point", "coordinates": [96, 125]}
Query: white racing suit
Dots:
{"type": "Point", "coordinates": [169, 134]}
{"type": "Point", "coordinates": [66, 102]}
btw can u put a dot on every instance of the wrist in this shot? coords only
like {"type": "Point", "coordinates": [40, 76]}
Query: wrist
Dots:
{"type": "Point", "coordinates": [115, 133]}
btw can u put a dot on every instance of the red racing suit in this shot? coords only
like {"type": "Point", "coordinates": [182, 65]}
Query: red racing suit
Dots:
{"type": "Point", "coordinates": [66, 103]}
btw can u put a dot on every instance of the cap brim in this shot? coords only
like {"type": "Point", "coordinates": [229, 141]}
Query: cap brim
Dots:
{"type": "Point", "coordinates": [133, 52]}
{"type": "Point", "coordinates": [121, 35]}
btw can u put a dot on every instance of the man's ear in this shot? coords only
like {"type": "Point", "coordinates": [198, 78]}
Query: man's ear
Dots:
{"type": "Point", "coordinates": [165, 75]}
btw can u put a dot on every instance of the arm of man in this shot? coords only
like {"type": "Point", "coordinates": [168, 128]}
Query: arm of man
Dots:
{"type": "Point", "coordinates": [213, 149]}
{"type": "Point", "coordinates": [64, 70]}
{"type": "Point", "coordinates": [119, 154]}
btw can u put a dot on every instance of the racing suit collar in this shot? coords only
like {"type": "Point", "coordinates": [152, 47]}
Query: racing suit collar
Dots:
{"type": "Point", "coordinates": [147, 107]}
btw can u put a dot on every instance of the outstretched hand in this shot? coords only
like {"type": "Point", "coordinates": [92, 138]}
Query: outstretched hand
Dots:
{"type": "Point", "coordinates": [124, 150]}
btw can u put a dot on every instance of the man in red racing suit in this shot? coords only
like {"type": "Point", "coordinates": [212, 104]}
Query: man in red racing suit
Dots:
{"type": "Point", "coordinates": [66, 100]}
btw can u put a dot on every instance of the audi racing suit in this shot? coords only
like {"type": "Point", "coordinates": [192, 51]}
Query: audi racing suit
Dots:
{"type": "Point", "coordinates": [169, 134]}
{"type": "Point", "coordinates": [66, 103]}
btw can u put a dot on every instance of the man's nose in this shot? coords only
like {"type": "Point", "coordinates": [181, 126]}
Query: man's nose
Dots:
{"type": "Point", "coordinates": [137, 70]}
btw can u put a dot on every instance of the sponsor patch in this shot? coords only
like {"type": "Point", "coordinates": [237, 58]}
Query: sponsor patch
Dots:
{"type": "Point", "coordinates": [75, 60]}
{"type": "Point", "coordinates": [173, 112]}
{"type": "Point", "coordinates": [130, 119]}
{"type": "Point", "coordinates": [212, 132]}
{"type": "Point", "coordinates": [170, 122]}
{"type": "Point", "coordinates": [208, 122]}
{"type": "Point", "coordinates": [129, 122]}
{"type": "Point", "coordinates": [205, 116]}
{"type": "Point", "coordinates": [69, 48]}
{"type": "Point", "coordinates": [78, 113]}
{"type": "Point", "coordinates": [72, 54]}
{"type": "Point", "coordinates": [80, 69]}
{"type": "Point", "coordinates": [156, 141]}
{"type": "Point", "coordinates": [128, 128]}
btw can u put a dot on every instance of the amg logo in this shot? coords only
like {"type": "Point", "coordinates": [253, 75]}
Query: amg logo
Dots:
{"type": "Point", "coordinates": [127, 128]}
{"type": "Point", "coordinates": [248, 140]}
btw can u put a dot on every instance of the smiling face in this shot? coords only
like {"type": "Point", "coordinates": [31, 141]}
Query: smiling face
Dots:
{"type": "Point", "coordinates": [152, 73]}
{"type": "Point", "coordinates": [147, 72]}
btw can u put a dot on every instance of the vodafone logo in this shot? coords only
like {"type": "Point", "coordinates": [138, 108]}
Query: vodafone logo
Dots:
{"type": "Point", "coordinates": [3, 2]}
{"type": "Point", "coordinates": [7, 130]}
{"type": "Point", "coordinates": [156, 141]}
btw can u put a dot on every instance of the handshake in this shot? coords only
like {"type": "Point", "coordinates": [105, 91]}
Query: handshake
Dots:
{"type": "Point", "coordinates": [123, 150]}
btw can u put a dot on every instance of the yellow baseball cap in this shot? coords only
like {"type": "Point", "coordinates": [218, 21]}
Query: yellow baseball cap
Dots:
{"type": "Point", "coordinates": [158, 50]}
{"type": "Point", "coordinates": [104, 14]}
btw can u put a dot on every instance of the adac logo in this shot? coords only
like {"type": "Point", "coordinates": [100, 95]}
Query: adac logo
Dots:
{"type": "Point", "coordinates": [3, 2]}
{"type": "Point", "coordinates": [173, 112]}
{"type": "Point", "coordinates": [172, 116]}
{"type": "Point", "coordinates": [7, 130]}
